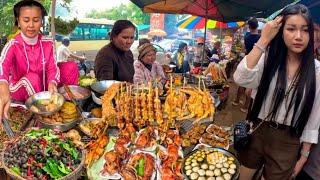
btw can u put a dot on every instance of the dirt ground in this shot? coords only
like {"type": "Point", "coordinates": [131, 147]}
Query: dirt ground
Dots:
{"type": "Point", "coordinates": [230, 114]}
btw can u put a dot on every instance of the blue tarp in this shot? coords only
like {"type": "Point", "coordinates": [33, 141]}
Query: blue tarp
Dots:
{"type": "Point", "coordinates": [143, 27]}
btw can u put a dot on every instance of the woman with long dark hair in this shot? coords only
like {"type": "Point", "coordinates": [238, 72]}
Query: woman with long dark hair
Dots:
{"type": "Point", "coordinates": [281, 67]}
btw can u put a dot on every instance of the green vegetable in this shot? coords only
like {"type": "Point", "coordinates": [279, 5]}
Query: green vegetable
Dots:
{"type": "Point", "coordinates": [45, 133]}
{"type": "Point", "coordinates": [86, 81]}
{"type": "Point", "coordinates": [16, 170]}
{"type": "Point", "coordinates": [64, 169]}
{"type": "Point", "coordinates": [71, 150]}
{"type": "Point", "coordinates": [55, 170]}
{"type": "Point", "coordinates": [140, 168]}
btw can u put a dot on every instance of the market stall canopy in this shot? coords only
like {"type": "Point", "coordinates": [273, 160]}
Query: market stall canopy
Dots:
{"type": "Point", "coordinates": [313, 5]}
{"type": "Point", "coordinates": [157, 32]}
{"type": "Point", "coordinates": [196, 22]}
{"type": "Point", "coordinates": [225, 11]}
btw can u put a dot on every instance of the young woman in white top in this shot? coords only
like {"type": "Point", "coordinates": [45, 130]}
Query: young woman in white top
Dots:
{"type": "Point", "coordinates": [281, 67]}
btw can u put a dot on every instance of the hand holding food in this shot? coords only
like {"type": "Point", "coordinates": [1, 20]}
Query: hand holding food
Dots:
{"type": "Point", "coordinates": [52, 87]}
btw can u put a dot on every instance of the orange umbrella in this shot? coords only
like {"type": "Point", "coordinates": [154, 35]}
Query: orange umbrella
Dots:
{"type": "Point", "coordinates": [157, 32]}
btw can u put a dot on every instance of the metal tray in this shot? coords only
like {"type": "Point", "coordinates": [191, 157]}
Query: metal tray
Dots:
{"type": "Point", "coordinates": [225, 152]}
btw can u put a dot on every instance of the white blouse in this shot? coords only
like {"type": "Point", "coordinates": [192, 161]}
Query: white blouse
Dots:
{"type": "Point", "coordinates": [250, 78]}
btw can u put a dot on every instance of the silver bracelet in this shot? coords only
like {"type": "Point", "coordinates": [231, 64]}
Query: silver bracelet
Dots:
{"type": "Point", "coordinates": [260, 47]}
{"type": "Point", "coordinates": [305, 153]}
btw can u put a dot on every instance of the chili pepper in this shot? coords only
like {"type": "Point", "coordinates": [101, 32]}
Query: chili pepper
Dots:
{"type": "Point", "coordinates": [29, 171]}
{"type": "Point", "coordinates": [44, 143]}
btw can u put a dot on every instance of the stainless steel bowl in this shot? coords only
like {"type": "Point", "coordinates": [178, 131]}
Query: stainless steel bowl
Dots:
{"type": "Point", "coordinates": [102, 86]}
{"type": "Point", "coordinates": [45, 95]}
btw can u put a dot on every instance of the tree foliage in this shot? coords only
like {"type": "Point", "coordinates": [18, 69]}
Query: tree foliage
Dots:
{"type": "Point", "coordinates": [64, 27]}
{"type": "Point", "coordinates": [124, 11]}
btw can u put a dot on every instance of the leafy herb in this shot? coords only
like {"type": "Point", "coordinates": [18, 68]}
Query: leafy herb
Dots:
{"type": "Point", "coordinates": [55, 170]}
{"type": "Point", "coordinates": [64, 169]}
{"type": "Point", "coordinates": [16, 170]}
{"type": "Point", "coordinates": [71, 150]}
{"type": "Point", "coordinates": [47, 134]}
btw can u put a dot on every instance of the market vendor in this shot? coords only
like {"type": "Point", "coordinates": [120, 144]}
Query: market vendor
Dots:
{"type": "Point", "coordinates": [115, 60]}
{"type": "Point", "coordinates": [27, 63]}
{"type": "Point", "coordinates": [68, 67]}
{"type": "Point", "coordinates": [146, 68]}
{"type": "Point", "coordinates": [215, 70]}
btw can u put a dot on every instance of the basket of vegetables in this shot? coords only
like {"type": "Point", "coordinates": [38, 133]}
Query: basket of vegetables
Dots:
{"type": "Point", "coordinates": [42, 154]}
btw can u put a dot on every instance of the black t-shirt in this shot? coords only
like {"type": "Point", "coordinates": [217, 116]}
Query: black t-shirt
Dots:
{"type": "Point", "coordinates": [113, 64]}
{"type": "Point", "coordinates": [249, 41]}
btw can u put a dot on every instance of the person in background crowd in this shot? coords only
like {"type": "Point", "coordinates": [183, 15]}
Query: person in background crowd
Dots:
{"type": "Point", "coordinates": [199, 51]}
{"type": "Point", "coordinates": [68, 68]}
{"type": "Point", "coordinates": [286, 105]}
{"type": "Point", "coordinates": [115, 60]}
{"type": "Point", "coordinates": [143, 41]}
{"type": "Point", "coordinates": [27, 62]}
{"type": "Point", "coordinates": [216, 49]}
{"type": "Point", "coordinates": [249, 40]}
{"type": "Point", "coordinates": [146, 68]}
{"type": "Point", "coordinates": [181, 58]}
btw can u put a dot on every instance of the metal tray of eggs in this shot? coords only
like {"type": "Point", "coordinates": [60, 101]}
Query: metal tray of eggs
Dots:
{"type": "Point", "coordinates": [211, 163]}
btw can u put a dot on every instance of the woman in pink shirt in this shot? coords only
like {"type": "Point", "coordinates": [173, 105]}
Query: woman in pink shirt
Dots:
{"type": "Point", "coordinates": [27, 63]}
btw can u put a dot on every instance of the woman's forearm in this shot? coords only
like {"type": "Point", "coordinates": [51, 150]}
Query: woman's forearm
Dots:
{"type": "Point", "coordinates": [256, 53]}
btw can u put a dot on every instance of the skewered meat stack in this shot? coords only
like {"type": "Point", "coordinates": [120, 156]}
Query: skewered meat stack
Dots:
{"type": "Point", "coordinates": [120, 109]}
{"type": "Point", "coordinates": [144, 108]}
{"type": "Point", "coordinates": [157, 108]}
{"type": "Point", "coordinates": [150, 104]}
{"type": "Point", "coordinates": [137, 108]}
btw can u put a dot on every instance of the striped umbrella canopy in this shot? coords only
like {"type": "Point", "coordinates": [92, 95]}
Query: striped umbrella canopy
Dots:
{"type": "Point", "coordinates": [196, 22]}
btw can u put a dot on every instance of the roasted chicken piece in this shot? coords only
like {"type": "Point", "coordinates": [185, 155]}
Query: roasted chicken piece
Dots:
{"type": "Point", "coordinates": [147, 138]}
{"type": "Point", "coordinates": [112, 164]}
{"type": "Point", "coordinates": [107, 104]}
{"type": "Point", "coordinates": [95, 149]}
{"type": "Point", "coordinates": [145, 160]}
{"type": "Point", "coordinates": [170, 166]}
{"type": "Point", "coordinates": [128, 173]}
{"type": "Point", "coordinates": [120, 147]}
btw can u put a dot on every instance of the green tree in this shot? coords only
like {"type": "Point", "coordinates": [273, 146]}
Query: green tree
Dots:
{"type": "Point", "coordinates": [124, 11]}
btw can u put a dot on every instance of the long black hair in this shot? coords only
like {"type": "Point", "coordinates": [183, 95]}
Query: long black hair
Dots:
{"type": "Point", "coordinates": [304, 89]}
{"type": "Point", "coordinates": [28, 3]}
